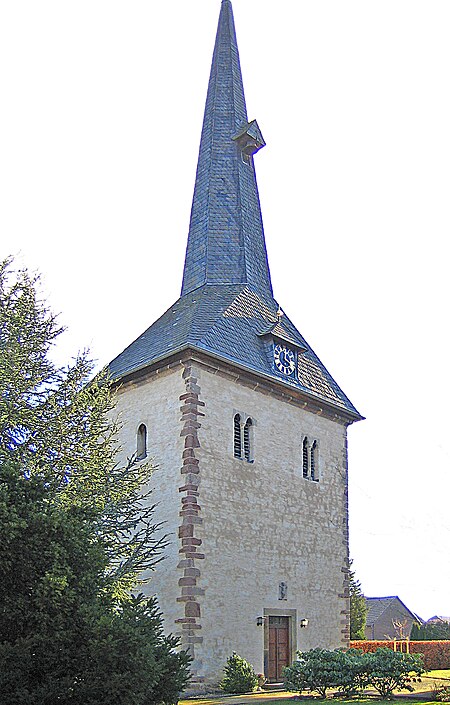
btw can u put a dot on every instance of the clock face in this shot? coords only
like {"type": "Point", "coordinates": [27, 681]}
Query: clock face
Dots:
{"type": "Point", "coordinates": [284, 359]}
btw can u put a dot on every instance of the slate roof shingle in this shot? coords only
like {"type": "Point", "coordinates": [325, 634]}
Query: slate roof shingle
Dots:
{"type": "Point", "coordinates": [230, 322]}
{"type": "Point", "coordinates": [226, 239]}
{"type": "Point", "coordinates": [378, 605]}
{"type": "Point", "coordinates": [226, 308]}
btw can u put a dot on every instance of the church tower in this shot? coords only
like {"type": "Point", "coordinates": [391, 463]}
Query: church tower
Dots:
{"type": "Point", "coordinates": [246, 426]}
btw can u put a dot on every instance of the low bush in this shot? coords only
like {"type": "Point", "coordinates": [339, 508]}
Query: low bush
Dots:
{"type": "Point", "coordinates": [355, 673]}
{"type": "Point", "coordinates": [239, 675]}
{"type": "Point", "coordinates": [390, 670]}
{"type": "Point", "coordinates": [314, 671]}
{"type": "Point", "coordinates": [442, 694]}
{"type": "Point", "coordinates": [351, 671]}
{"type": "Point", "coordinates": [319, 669]}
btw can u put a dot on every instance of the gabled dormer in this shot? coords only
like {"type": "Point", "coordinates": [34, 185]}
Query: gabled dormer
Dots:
{"type": "Point", "coordinates": [283, 349]}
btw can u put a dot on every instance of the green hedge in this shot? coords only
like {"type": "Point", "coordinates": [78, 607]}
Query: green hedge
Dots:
{"type": "Point", "coordinates": [436, 654]}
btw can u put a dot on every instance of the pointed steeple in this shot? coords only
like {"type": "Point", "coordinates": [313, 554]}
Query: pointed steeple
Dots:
{"type": "Point", "coordinates": [226, 310]}
{"type": "Point", "coordinates": [226, 238]}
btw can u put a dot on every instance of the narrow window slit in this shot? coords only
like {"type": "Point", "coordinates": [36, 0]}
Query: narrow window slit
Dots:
{"type": "Point", "coordinates": [314, 475]}
{"type": "Point", "coordinates": [247, 447]}
{"type": "Point", "coordinates": [305, 457]}
{"type": "Point", "coordinates": [237, 442]}
{"type": "Point", "coordinates": [141, 444]}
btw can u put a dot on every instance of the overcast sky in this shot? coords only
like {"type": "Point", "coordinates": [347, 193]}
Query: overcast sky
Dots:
{"type": "Point", "coordinates": [102, 105]}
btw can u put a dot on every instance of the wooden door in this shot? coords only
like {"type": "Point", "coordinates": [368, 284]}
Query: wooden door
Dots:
{"type": "Point", "coordinates": [278, 647]}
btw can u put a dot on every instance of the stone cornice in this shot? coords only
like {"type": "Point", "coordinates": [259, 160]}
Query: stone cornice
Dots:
{"type": "Point", "coordinates": [241, 375]}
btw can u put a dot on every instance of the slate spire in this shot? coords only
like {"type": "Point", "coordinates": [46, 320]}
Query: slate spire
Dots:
{"type": "Point", "coordinates": [226, 238]}
{"type": "Point", "coordinates": [226, 309]}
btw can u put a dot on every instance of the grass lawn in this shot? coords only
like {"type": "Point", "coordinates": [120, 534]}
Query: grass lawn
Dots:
{"type": "Point", "coordinates": [284, 698]}
{"type": "Point", "coordinates": [429, 682]}
{"type": "Point", "coordinates": [443, 675]}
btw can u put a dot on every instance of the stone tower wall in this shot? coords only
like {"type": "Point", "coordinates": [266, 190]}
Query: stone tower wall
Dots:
{"type": "Point", "coordinates": [155, 403]}
{"type": "Point", "coordinates": [239, 529]}
{"type": "Point", "coordinates": [264, 524]}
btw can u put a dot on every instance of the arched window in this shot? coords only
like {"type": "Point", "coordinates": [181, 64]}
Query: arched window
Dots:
{"type": "Point", "coordinates": [237, 440]}
{"type": "Point", "coordinates": [247, 443]}
{"type": "Point", "coordinates": [314, 468]}
{"type": "Point", "coordinates": [141, 442]}
{"type": "Point", "coordinates": [305, 457]}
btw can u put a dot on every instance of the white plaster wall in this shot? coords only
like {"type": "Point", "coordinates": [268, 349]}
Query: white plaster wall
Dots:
{"type": "Point", "coordinates": [156, 404]}
{"type": "Point", "coordinates": [264, 523]}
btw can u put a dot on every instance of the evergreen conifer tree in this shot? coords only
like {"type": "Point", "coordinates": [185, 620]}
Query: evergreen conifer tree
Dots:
{"type": "Point", "coordinates": [358, 608]}
{"type": "Point", "coordinates": [75, 531]}
{"type": "Point", "coordinates": [433, 631]}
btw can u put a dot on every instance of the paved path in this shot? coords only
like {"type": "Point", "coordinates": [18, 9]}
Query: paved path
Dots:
{"type": "Point", "coordinates": [247, 699]}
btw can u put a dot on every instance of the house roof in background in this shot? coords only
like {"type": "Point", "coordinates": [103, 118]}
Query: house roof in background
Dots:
{"type": "Point", "coordinates": [438, 619]}
{"type": "Point", "coordinates": [378, 605]}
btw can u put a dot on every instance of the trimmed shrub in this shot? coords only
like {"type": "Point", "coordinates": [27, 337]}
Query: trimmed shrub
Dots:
{"type": "Point", "coordinates": [319, 669]}
{"type": "Point", "coordinates": [436, 654]}
{"type": "Point", "coordinates": [390, 670]}
{"type": "Point", "coordinates": [355, 672]}
{"type": "Point", "coordinates": [351, 671]}
{"type": "Point", "coordinates": [371, 646]}
{"type": "Point", "coordinates": [442, 694]}
{"type": "Point", "coordinates": [239, 675]}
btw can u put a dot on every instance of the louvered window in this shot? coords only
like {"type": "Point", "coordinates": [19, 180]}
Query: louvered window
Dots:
{"type": "Point", "coordinates": [243, 437]}
{"type": "Point", "coordinates": [247, 444]}
{"type": "Point", "coordinates": [237, 439]}
{"type": "Point", "coordinates": [141, 443]}
{"type": "Point", "coordinates": [314, 469]}
{"type": "Point", "coordinates": [305, 457]}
